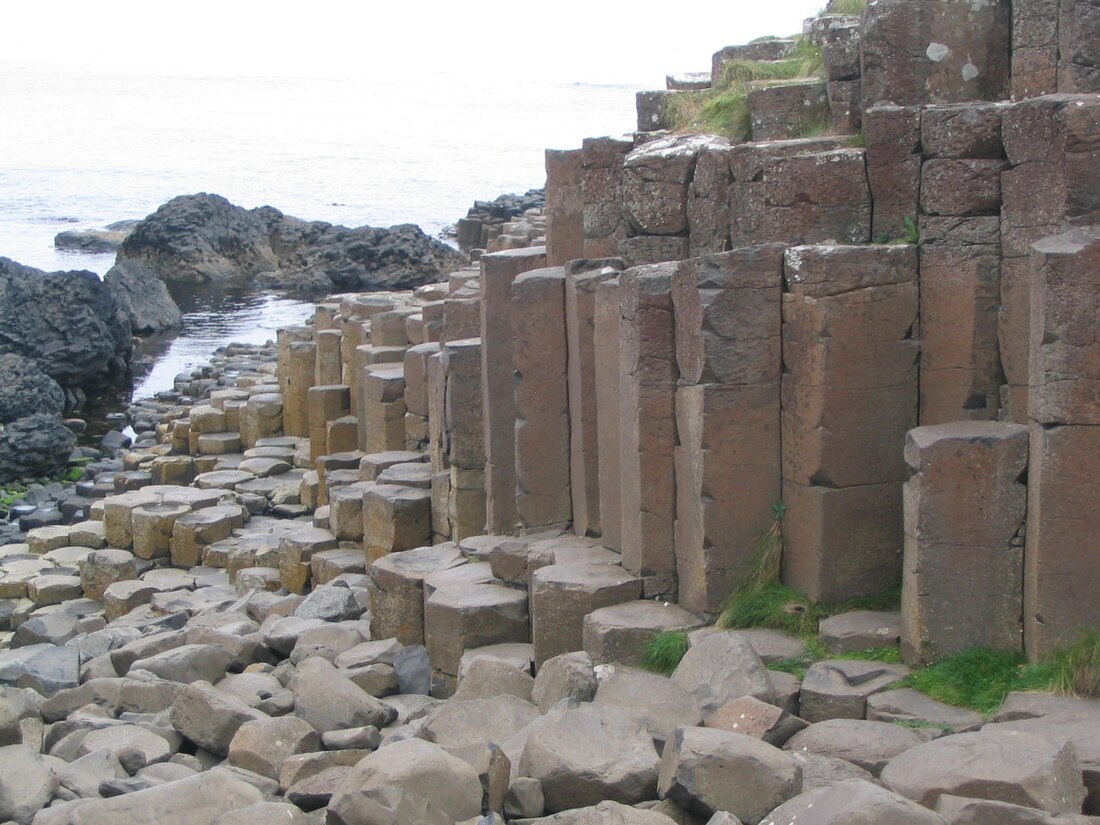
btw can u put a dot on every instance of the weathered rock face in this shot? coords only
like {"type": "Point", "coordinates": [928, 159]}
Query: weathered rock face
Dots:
{"type": "Point", "coordinates": [67, 322]}
{"type": "Point", "coordinates": [34, 446]}
{"type": "Point", "coordinates": [26, 390]}
{"type": "Point", "coordinates": [142, 296]}
{"type": "Point", "coordinates": [206, 239]}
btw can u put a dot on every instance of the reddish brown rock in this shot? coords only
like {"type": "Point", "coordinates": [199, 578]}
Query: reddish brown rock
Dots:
{"type": "Point", "coordinates": [783, 110]}
{"type": "Point", "coordinates": [540, 385]}
{"type": "Point", "coordinates": [606, 341]}
{"type": "Point", "coordinates": [584, 459]}
{"type": "Point", "coordinates": [602, 188]}
{"type": "Point", "coordinates": [708, 206]}
{"type": "Point", "coordinates": [961, 187]}
{"type": "Point", "coordinates": [498, 270]}
{"type": "Point", "coordinates": [564, 207]}
{"type": "Point", "coordinates": [1034, 47]}
{"type": "Point", "coordinates": [925, 51]}
{"type": "Point", "coordinates": [655, 180]}
{"type": "Point", "coordinates": [647, 419]}
{"type": "Point", "coordinates": [964, 514]}
{"type": "Point", "coordinates": [894, 159]}
{"type": "Point", "coordinates": [727, 310]}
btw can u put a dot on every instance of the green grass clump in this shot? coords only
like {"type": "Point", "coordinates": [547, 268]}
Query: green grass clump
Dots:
{"type": "Point", "coordinates": [772, 606]}
{"type": "Point", "coordinates": [664, 651]}
{"type": "Point", "coordinates": [1073, 670]}
{"type": "Point", "coordinates": [849, 7]}
{"type": "Point", "coordinates": [724, 109]}
{"type": "Point", "coordinates": [978, 678]}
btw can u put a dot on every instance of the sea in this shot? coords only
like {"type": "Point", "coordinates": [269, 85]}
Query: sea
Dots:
{"type": "Point", "coordinates": [83, 148]}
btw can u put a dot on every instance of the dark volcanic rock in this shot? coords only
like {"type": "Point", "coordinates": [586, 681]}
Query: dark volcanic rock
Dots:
{"type": "Point", "coordinates": [35, 446]}
{"type": "Point", "coordinates": [26, 390]}
{"type": "Point", "coordinates": [143, 297]}
{"type": "Point", "coordinates": [67, 322]}
{"type": "Point", "coordinates": [204, 238]}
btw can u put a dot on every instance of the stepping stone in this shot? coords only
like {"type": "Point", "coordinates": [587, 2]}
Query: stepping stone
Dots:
{"type": "Point", "coordinates": [838, 688]}
{"type": "Point", "coordinates": [264, 467]}
{"type": "Point", "coordinates": [417, 474]}
{"type": "Point", "coordinates": [328, 564]}
{"type": "Point", "coordinates": [219, 443]}
{"type": "Point", "coordinates": [870, 745]}
{"type": "Point", "coordinates": [468, 616]}
{"type": "Point", "coordinates": [908, 706]}
{"type": "Point", "coordinates": [222, 479]}
{"type": "Point", "coordinates": [395, 519]}
{"type": "Point", "coordinates": [194, 531]}
{"type": "Point", "coordinates": [860, 630]}
{"type": "Point", "coordinates": [563, 594]}
{"type": "Point", "coordinates": [89, 534]}
{"type": "Point", "coordinates": [396, 589]}
{"type": "Point", "coordinates": [151, 525]}
{"type": "Point", "coordinates": [371, 465]}
{"type": "Point", "coordinates": [761, 720]}
{"type": "Point", "coordinates": [103, 568]}
{"type": "Point", "coordinates": [619, 633]}
{"type": "Point", "coordinates": [53, 589]}
{"type": "Point", "coordinates": [42, 540]}
{"type": "Point", "coordinates": [345, 507]}
{"type": "Point", "coordinates": [296, 549]}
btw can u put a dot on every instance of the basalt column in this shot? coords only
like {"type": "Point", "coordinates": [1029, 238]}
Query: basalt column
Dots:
{"type": "Point", "coordinates": [602, 189]}
{"type": "Point", "coordinates": [728, 469]}
{"type": "Point", "coordinates": [564, 206]}
{"type": "Point", "coordinates": [498, 270]}
{"type": "Point", "coordinates": [606, 340]}
{"type": "Point", "coordinates": [647, 424]}
{"type": "Point", "coordinates": [1061, 575]}
{"type": "Point", "coordinates": [849, 398]}
{"type": "Point", "coordinates": [960, 262]}
{"type": "Point", "coordinates": [582, 284]}
{"type": "Point", "coordinates": [460, 363]}
{"type": "Point", "coordinates": [295, 415]}
{"type": "Point", "coordinates": [964, 515]}
{"type": "Point", "coordinates": [543, 498]}
{"type": "Point", "coordinates": [1053, 181]}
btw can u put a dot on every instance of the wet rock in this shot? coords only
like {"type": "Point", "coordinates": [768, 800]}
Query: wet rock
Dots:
{"type": "Point", "coordinates": [34, 446]}
{"type": "Point", "coordinates": [143, 297]}
{"type": "Point", "coordinates": [204, 238]}
{"type": "Point", "coordinates": [26, 390]}
{"type": "Point", "coordinates": [67, 322]}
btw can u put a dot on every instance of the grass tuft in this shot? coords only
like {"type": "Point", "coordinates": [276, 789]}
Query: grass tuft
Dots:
{"type": "Point", "coordinates": [772, 606]}
{"type": "Point", "coordinates": [724, 109]}
{"type": "Point", "coordinates": [1075, 669]}
{"type": "Point", "coordinates": [978, 678]}
{"type": "Point", "coordinates": [664, 651]}
{"type": "Point", "coordinates": [849, 7]}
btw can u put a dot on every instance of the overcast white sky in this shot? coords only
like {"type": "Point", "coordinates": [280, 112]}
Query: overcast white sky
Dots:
{"type": "Point", "coordinates": [571, 40]}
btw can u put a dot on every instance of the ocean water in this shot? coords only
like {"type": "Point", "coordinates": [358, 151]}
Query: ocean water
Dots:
{"type": "Point", "coordinates": [80, 149]}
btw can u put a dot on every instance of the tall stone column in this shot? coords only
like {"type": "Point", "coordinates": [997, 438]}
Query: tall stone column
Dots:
{"type": "Point", "coordinates": [498, 270]}
{"type": "Point", "coordinates": [606, 339]}
{"type": "Point", "coordinates": [647, 423]}
{"type": "Point", "coordinates": [1061, 575]}
{"type": "Point", "coordinates": [849, 398]}
{"type": "Point", "coordinates": [728, 468]}
{"type": "Point", "coordinates": [965, 506]}
{"type": "Point", "coordinates": [543, 499]}
{"type": "Point", "coordinates": [564, 206]}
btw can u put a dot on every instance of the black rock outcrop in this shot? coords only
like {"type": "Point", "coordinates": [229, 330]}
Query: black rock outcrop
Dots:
{"type": "Point", "coordinates": [68, 323]}
{"type": "Point", "coordinates": [143, 297]}
{"type": "Point", "coordinates": [206, 239]}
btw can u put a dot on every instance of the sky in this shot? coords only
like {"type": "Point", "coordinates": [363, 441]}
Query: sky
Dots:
{"type": "Point", "coordinates": [562, 40]}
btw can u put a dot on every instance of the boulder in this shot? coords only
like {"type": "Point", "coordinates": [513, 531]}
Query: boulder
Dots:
{"type": "Point", "coordinates": [94, 241]}
{"type": "Point", "coordinates": [422, 770]}
{"type": "Point", "coordinates": [210, 717]}
{"type": "Point", "coordinates": [202, 799]}
{"type": "Point", "coordinates": [853, 802]}
{"type": "Point", "coordinates": [261, 745]}
{"type": "Point", "coordinates": [720, 668]}
{"type": "Point", "coordinates": [67, 322]}
{"type": "Point", "coordinates": [664, 704]}
{"type": "Point", "coordinates": [204, 238]}
{"type": "Point", "coordinates": [566, 676]}
{"type": "Point", "coordinates": [465, 728]}
{"type": "Point", "coordinates": [590, 753]}
{"type": "Point", "coordinates": [26, 390]}
{"type": "Point", "coordinates": [870, 745]}
{"type": "Point", "coordinates": [143, 297]}
{"type": "Point", "coordinates": [35, 446]}
{"type": "Point", "coordinates": [487, 677]}
{"type": "Point", "coordinates": [706, 771]}
{"type": "Point", "coordinates": [329, 700]}
{"type": "Point", "coordinates": [281, 812]}
{"type": "Point", "coordinates": [1003, 765]}
{"type": "Point", "coordinates": [26, 784]}
{"type": "Point", "coordinates": [187, 663]}
{"type": "Point", "coordinates": [611, 813]}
